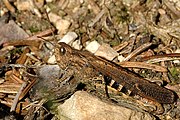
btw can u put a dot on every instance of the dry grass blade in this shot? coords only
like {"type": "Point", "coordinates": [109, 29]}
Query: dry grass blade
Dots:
{"type": "Point", "coordinates": [172, 8]}
{"type": "Point", "coordinates": [143, 65]}
{"type": "Point", "coordinates": [137, 51]}
{"type": "Point", "coordinates": [120, 46]}
{"type": "Point", "coordinates": [12, 77]}
{"type": "Point", "coordinates": [97, 18]}
{"type": "Point", "coordinates": [41, 34]}
{"type": "Point", "coordinates": [9, 88]}
{"type": "Point", "coordinates": [15, 101]}
{"type": "Point", "coordinates": [9, 6]}
{"type": "Point", "coordinates": [26, 90]}
{"type": "Point", "coordinates": [159, 58]}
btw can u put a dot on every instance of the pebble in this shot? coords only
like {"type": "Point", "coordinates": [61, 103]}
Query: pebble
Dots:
{"type": "Point", "coordinates": [24, 5]}
{"type": "Point", "coordinates": [121, 58]}
{"type": "Point", "coordinates": [61, 24]}
{"type": "Point", "coordinates": [69, 37]}
{"type": "Point", "coordinates": [107, 52]}
{"type": "Point", "coordinates": [48, 1]}
{"type": "Point", "coordinates": [92, 46]}
{"type": "Point", "coordinates": [77, 44]}
{"type": "Point", "coordinates": [52, 60]}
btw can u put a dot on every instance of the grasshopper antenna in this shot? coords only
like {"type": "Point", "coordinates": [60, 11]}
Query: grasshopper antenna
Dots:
{"type": "Point", "coordinates": [53, 28]}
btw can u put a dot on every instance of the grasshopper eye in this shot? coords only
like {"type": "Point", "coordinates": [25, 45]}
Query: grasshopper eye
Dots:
{"type": "Point", "coordinates": [62, 51]}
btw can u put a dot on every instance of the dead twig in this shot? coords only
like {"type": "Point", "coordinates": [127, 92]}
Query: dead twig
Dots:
{"type": "Point", "coordinates": [97, 18]}
{"type": "Point", "coordinates": [42, 34]}
{"type": "Point", "coordinates": [25, 42]}
{"type": "Point", "coordinates": [16, 99]}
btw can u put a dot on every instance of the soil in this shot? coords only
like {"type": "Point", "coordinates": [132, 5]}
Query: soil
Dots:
{"type": "Point", "coordinates": [143, 31]}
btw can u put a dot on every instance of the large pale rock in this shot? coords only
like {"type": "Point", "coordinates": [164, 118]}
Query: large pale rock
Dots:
{"type": "Point", "coordinates": [83, 106]}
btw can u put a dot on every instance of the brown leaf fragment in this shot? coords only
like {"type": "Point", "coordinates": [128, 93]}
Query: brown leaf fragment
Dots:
{"type": "Point", "coordinates": [12, 76]}
{"type": "Point", "coordinates": [23, 56]}
{"type": "Point", "coordinates": [8, 102]}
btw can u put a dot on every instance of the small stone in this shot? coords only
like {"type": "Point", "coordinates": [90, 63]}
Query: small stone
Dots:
{"type": "Point", "coordinates": [83, 106]}
{"type": "Point", "coordinates": [61, 24]}
{"type": "Point", "coordinates": [177, 51]}
{"type": "Point", "coordinates": [92, 46]}
{"type": "Point", "coordinates": [176, 61]}
{"type": "Point", "coordinates": [24, 5]}
{"type": "Point", "coordinates": [54, 17]}
{"type": "Point", "coordinates": [121, 58]}
{"type": "Point", "coordinates": [162, 11]}
{"type": "Point", "coordinates": [52, 60]}
{"type": "Point", "coordinates": [77, 44]}
{"type": "Point", "coordinates": [48, 1]}
{"type": "Point", "coordinates": [69, 37]}
{"type": "Point", "coordinates": [107, 52]}
{"type": "Point", "coordinates": [1, 80]}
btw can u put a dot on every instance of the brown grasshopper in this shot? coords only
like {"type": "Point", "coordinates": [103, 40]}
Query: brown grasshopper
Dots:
{"type": "Point", "coordinates": [119, 77]}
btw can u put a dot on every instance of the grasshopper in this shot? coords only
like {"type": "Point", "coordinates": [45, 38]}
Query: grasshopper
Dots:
{"type": "Point", "coordinates": [118, 77]}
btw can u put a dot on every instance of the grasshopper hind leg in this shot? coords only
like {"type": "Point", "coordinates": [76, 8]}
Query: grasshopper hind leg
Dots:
{"type": "Point", "coordinates": [112, 83]}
